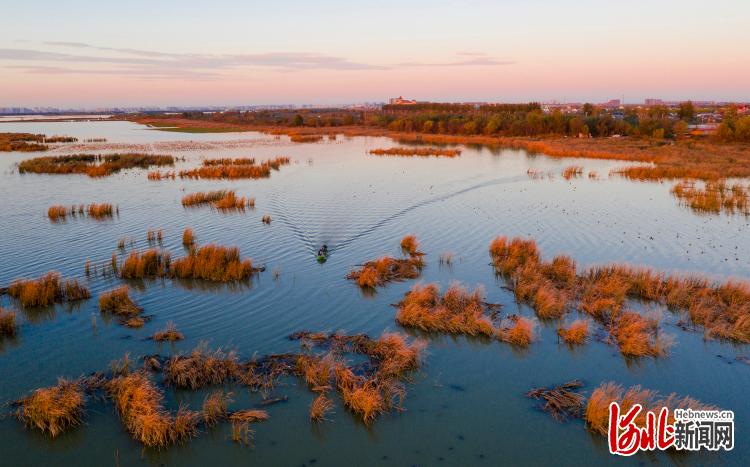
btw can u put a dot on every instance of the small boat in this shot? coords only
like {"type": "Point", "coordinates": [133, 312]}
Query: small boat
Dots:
{"type": "Point", "coordinates": [323, 254]}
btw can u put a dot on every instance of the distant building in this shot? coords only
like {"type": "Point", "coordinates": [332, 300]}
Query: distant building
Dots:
{"type": "Point", "coordinates": [401, 101]}
{"type": "Point", "coordinates": [612, 103]}
{"type": "Point", "coordinates": [653, 102]}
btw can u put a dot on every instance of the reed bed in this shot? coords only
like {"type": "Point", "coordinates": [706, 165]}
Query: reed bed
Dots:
{"type": "Point", "coordinates": [378, 272]}
{"type": "Point", "coordinates": [53, 410]}
{"type": "Point", "coordinates": [201, 368]}
{"type": "Point", "coordinates": [22, 142]}
{"type": "Point", "coordinates": [242, 420]}
{"type": "Point", "coordinates": [234, 171]}
{"type": "Point", "coordinates": [563, 402]}
{"type": "Point", "coordinates": [156, 175]}
{"type": "Point", "coordinates": [216, 407]}
{"type": "Point", "coordinates": [169, 334]}
{"type": "Point", "coordinates": [91, 164]}
{"type": "Point", "coordinates": [410, 246]}
{"type": "Point", "coordinates": [139, 403]}
{"type": "Point", "coordinates": [93, 210]}
{"type": "Point", "coordinates": [188, 238]}
{"type": "Point", "coordinates": [213, 263]}
{"type": "Point", "coordinates": [229, 161]}
{"type": "Point", "coordinates": [147, 264]}
{"type": "Point", "coordinates": [305, 138]}
{"type": "Point", "coordinates": [415, 151]}
{"type": "Point", "coordinates": [8, 327]}
{"type": "Point", "coordinates": [551, 288]}
{"type": "Point", "coordinates": [713, 197]}
{"type": "Point", "coordinates": [596, 413]}
{"type": "Point", "coordinates": [117, 302]}
{"type": "Point", "coordinates": [573, 171]}
{"type": "Point", "coordinates": [576, 333]}
{"type": "Point", "coordinates": [457, 311]}
{"type": "Point", "coordinates": [47, 290]}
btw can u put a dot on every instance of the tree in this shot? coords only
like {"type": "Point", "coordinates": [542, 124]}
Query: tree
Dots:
{"type": "Point", "coordinates": [427, 126]}
{"type": "Point", "coordinates": [588, 109]}
{"type": "Point", "coordinates": [679, 128]}
{"type": "Point", "coordinates": [298, 120]}
{"type": "Point", "coordinates": [687, 111]}
{"type": "Point", "coordinates": [742, 129]}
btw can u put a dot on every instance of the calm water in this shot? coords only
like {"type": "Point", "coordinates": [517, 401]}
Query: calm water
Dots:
{"type": "Point", "coordinates": [466, 407]}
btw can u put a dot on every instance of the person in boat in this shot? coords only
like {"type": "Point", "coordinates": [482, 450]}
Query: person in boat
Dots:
{"type": "Point", "coordinates": [323, 252]}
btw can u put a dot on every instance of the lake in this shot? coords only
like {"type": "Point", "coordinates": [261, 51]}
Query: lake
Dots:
{"type": "Point", "coordinates": [466, 406]}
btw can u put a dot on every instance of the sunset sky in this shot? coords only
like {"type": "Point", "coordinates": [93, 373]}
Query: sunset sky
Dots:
{"type": "Point", "coordinates": [86, 53]}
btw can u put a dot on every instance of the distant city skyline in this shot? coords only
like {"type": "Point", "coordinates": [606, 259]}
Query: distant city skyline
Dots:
{"type": "Point", "coordinates": [85, 54]}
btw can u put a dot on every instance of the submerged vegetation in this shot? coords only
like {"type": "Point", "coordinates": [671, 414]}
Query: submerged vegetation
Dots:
{"type": "Point", "coordinates": [47, 290]}
{"type": "Point", "coordinates": [91, 164]}
{"type": "Point", "coordinates": [416, 151]}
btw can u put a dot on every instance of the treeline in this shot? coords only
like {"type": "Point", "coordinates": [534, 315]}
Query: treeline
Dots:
{"type": "Point", "coordinates": [734, 128]}
{"type": "Point", "coordinates": [283, 117]}
{"type": "Point", "coordinates": [461, 108]}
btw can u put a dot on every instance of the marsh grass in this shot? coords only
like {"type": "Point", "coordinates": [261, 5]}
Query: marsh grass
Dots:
{"type": "Point", "coordinates": [53, 410]}
{"type": "Point", "coordinates": [202, 367]}
{"type": "Point", "coordinates": [563, 402]}
{"type": "Point", "coordinates": [216, 407]}
{"type": "Point", "coordinates": [320, 407]}
{"type": "Point", "coordinates": [242, 420]}
{"type": "Point", "coordinates": [188, 238]}
{"type": "Point", "coordinates": [93, 210]}
{"type": "Point", "coordinates": [92, 165]}
{"type": "Point", "coordinates": [170, 334]}
{"type": "Point", "coordinates": [213, 263]}
{"type": "Point", "coordinates": [410, 246]}
{"type": "Point", "coordinates": [47, 290]}
{"type": "Point", "coordinates": [8, 327]}
{"type": "Point", "coordinates": [713, 197]}
{"type": "Point", "coordinates": [596, 413]}
{"type": "Point", "coordinates": [416, 151]}
{"type": "Point", "coordinates": [22, 142]}
{"type": "Point", "coordinates": [235, 171]}
{"type": "Point", "coordinates": [117, 302]}
{"type": "Point", "coordinates": [576, 333]}
{"type": "Point", "coordinates": [147, 264]}
{"type": "Point", "coordinates": [139, 403]}
{"type": "Point", "coordinates": [573, 171]}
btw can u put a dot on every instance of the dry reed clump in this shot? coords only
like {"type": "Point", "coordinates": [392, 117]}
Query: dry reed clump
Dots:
{"type": "Point", "coordinates": [118, 302]}
{"type": "Point", "coordinates": [242, 420]}
{"type": "Point", "coordinates": [562, 402]}
{"type": "Point", "coordinates": [320, 407]}
{"type": "Point", "coordinates": [386, 269]}
{"type": "Point", "coordinates": [596, 414]}
{"type": "Point", "coordinates": [7, 323]}
{"type": "Point", "coordinates": [232, 202]}
{"type": "Point", "coordinates": [410, 246]}
{"type": "Point", "coordinates": [92, 165]}
{"type": "Point", "coordinates": [188, 238]}
{"type": "Point", "coordinates": [170, 334]}
{"type": "Point", "coordinates": [517, 330]}
{"type": "Point", "coordinates": [576, 333]}
{"type": "Point", "coordinates": [231, 171]}
{"type": "Point", "coordinates": [94, 210]}
{"type": "Point", "coordinates": [266, 219]}
{"type": "Point", "coordinates": [201, 368]}
{"type": "Point", "coordinates": [216, 407]}
{"type": "Point", "coordinates": [139, 404]}
{"type": "Point", "coordinates": [367, 391]}
{"type": "Point", "coordinates": [21, 142]}
{"type": "Point", "coordinates": [547, 287]}
{"type": "Point", "coordinates": [147, 264]}
{"type": "Point", "coordinates": [47, 290]}
{"type": "Point", "coordinates": [423, 152]}
{"type": "Point", "coordinates": [156, 175]}
{"type": "Point", "coordinates": [229, 161]}
{"type": "Point", "coordinates": [638, 336]}
{"type": "Point", "coordinates": [457, 311]}
{"type": "Point", "coordinates": [55, 409]}
{"type": "Point", "coordinates": [714, 197]}
{"type": "Point", "coordinates": [213, 263]}
{"type": "Point", "coordinates": [201, 197]}
{"type": "Point", "coordinates": [302, 138]}
{"type": "Point", "coordinates": [573, 171]}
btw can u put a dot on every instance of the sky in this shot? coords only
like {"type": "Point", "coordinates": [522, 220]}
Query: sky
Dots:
{"type": "Point", "coordinates": [77, 53]}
